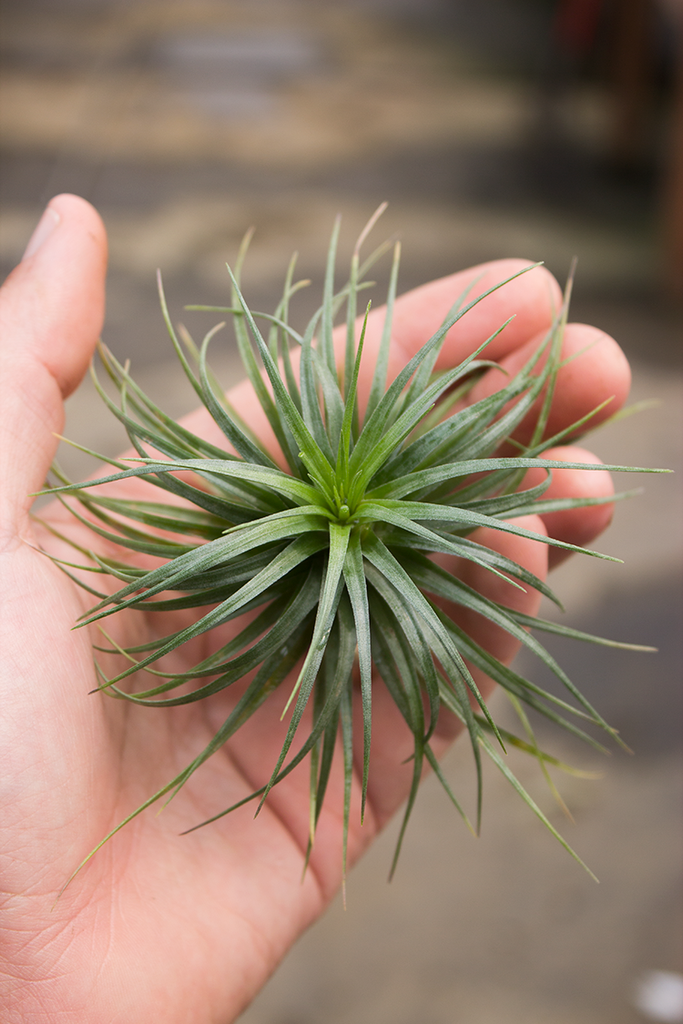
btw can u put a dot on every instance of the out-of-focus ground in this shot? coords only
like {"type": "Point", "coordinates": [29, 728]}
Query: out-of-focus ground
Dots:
{"type": "Point", "coordinates": [185, 123]}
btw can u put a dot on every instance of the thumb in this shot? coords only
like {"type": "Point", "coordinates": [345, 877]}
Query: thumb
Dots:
{"type": "Point", "coordinates": [51, 313]}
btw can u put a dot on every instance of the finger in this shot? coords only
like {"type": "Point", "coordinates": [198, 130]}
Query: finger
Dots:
{"type": "Point", "coordinates": [532, 555]}
{"type": "Point", "coordinates": [578, 525]}
{"type": "Point", "coordinates": [392, 742]}
{"type": "Point", "coordinates": [532, 299]}
{"type": "Point", "coordinates": [51, 311]}
{"type": "Point", "coordinates": [597, 371]}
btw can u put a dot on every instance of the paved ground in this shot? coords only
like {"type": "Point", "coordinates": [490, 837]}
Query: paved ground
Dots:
{"type": "Point", "coordinates": [435, 106]}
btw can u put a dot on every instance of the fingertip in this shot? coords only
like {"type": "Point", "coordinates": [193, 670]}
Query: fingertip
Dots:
{"type": "Point", "coordinates": [525, 551]}
{"type": "Point", "coordinates": [530, 301]}
{"type": "Point", "coordinates": [53, 302]}
{"type": "Point", "coordinates": [578, 526]}
{"type": "Point", "coordinates": [595, 369]}
{"type": "Point", "coordinates": [532, 298]}
{"type": "Point", "coordinates": [593, 372]}
{"type": "Point", "coordinates": [51, 313]}
{"type": "Point", "coordinates": [75, 214]}
{"type": "Point", "coordinates": [76, 209]}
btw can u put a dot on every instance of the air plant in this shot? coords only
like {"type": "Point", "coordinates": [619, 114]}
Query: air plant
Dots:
{"type": "Point", "coordinates": [331, 558]}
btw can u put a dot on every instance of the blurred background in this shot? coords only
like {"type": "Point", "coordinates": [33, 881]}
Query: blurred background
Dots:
{"type": "Point", "coordinates": [535, 128]}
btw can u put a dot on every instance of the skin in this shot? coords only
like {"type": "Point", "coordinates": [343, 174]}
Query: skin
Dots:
{"type": "Point", "coordinates": [159, 927]}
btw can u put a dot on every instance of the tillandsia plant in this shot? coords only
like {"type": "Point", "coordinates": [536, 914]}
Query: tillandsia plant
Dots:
{"type": "Point", "coordinates": [326, 566]}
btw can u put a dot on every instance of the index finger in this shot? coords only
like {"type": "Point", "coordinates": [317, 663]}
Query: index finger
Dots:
{"type": "Point", "coordinates": [533, 299]}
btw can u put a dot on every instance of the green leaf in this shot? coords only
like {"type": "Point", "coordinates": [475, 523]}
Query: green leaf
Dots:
{"type": "Point", "coordinates": [389, 571]}
{"type": "Point", "coordinates": [500, 764]}
{"type": "Point", "coordinates": [296, 552]}
{"type": "Point", "coordinates": [379, 378]}
{"type": "Point", "coordinates": [316, 463]}
{"type": "Point", "coordinates": [330, 595]}
{"type": "Point", "coordinates": [462, 518]}
{"type": "Point", "coordinates": [209, 555]}
{"type": "Point", "coordinates": [329, 562]}
{"type": "Point", "coordinates": [354, 577]}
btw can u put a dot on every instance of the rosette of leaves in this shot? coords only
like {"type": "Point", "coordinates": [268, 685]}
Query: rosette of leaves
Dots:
{"type": "Point", "coordinates": [330, 557]}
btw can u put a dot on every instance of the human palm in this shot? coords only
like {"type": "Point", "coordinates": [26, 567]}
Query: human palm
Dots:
{"type": "Point", "coordinates": [159, 926]}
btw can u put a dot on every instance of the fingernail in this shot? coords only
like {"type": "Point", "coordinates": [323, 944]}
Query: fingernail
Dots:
{"type": "Point", "coordinates": [46, 225]}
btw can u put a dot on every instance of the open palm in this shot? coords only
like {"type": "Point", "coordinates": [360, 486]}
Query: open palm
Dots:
{"type": "Point", "coordinates": [157, 926]}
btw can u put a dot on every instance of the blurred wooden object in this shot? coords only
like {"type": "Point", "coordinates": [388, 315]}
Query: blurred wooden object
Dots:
{"type": "Point", "coordinates": [631, 39]}
{"type": "Point", "coordinates": [576, 25]}
{"type": "Point", "coordinates": [632, 59]}
{"type": "Point", "coordinates": [672, 205]}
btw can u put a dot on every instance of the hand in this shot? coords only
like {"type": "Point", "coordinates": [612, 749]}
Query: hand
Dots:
{"type": "Point", "coordinates": [157, 926]}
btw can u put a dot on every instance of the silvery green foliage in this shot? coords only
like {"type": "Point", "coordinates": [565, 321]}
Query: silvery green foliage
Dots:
{"type": "Point", "coordinates": [334, 554]}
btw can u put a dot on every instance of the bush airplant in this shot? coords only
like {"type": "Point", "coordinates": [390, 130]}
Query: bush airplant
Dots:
{"type": "Point", "coordinates": [326, 566]}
